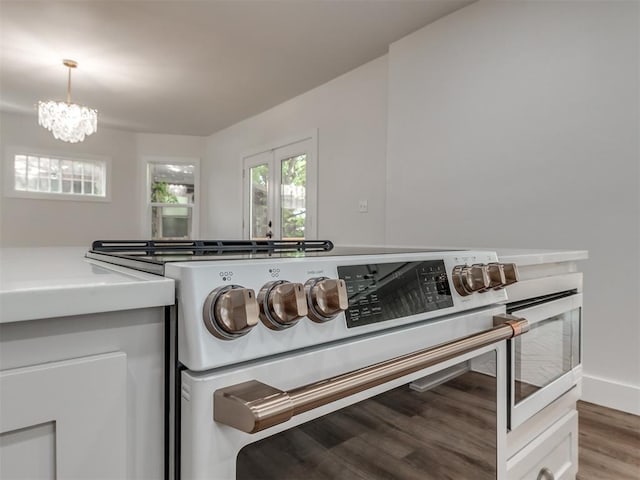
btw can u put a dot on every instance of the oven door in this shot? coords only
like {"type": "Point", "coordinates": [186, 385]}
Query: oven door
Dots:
{"type": "Point", "coordinates": [377, 406]}
{"type": "Point", "coordinates": [546, 362]}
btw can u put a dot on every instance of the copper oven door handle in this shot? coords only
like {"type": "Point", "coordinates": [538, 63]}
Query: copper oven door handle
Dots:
{"type": "Point", "coordinates": [253, 406]}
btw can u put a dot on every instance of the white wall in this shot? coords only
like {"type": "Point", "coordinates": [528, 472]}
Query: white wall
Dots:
{"type": "Point", "coordinates": [516, 124]}
{"type": "Point", "coordinates": [30, 222]}
{"type": "Point", "coordinates": [159, 145]}
{"type": "Point", "coordinates": [350, 115]}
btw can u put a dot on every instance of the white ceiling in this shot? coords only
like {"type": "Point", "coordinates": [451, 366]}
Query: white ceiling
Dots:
{"type": "Point", "coordinates": [192, 67]}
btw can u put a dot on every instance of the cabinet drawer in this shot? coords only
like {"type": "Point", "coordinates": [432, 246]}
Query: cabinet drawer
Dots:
{"type": "Point", "coordinates": [553, 455]}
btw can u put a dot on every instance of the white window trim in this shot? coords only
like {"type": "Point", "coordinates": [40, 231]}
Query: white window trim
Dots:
{"type": "Point", "coordinates": [312, 186]}
{"type": "Point", "coordinates": [9, 174]}
{"type": "Point", "coordinates": [146, 191]}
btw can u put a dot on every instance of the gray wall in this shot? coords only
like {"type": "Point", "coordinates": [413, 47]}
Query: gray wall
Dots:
{"type": "Point", "coordinates": [516, 124]}
{"type": "Point", "coordinates": [349, 114]}
{"type": "Point", "coordinates": [31, 222]}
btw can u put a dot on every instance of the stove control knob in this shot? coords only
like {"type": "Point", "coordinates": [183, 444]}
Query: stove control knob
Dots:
{"type": "Point", "coordinates": [510, 273]}
{"type": "Point", "coordinates": [326, 297]}
{"type": "Point", "coordinates": [282, 304]}
{"type": "Point", "coordinates": [496, 275]}
{"type": "Point", "coordinates": [230, 312]}
{"type": "Point", "coordinates": [470, 279]}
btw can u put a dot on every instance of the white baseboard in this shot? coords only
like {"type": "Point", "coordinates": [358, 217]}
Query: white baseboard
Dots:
{"type": "Point", "coordinates": [608, 393]}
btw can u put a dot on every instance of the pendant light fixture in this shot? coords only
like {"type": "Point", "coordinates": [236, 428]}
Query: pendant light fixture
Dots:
{"type": "Point", "coordinates": [68, 121]}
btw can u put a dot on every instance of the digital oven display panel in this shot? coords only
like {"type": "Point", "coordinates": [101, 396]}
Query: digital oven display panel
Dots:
{"type": "Point", "coordinates": [386, 291]}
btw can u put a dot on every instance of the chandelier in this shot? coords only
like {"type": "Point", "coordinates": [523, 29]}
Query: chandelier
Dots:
{"type": "Point", "coordinates": [68, 121]}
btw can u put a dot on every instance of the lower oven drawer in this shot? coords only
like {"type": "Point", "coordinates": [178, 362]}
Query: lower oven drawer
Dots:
{"type": "Point", "coordinates": [553, 455]}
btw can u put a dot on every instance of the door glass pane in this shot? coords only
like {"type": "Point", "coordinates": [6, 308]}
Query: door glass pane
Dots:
{"type": "Point", "coordinates": [259, 196]}
{"type": "Point", "coordinates": [550, 349]}
{"type": "Point", "coordinates": [293, 204]}
{"type": "Point", "coordinates": [442, 426]}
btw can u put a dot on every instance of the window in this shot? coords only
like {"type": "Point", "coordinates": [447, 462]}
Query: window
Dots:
{"type": "Point", "coordinates": [172, 199]}
{"type": "Point", "coordinates": [59, 177]}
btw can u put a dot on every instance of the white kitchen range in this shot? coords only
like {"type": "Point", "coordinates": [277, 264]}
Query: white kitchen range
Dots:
{"type": "Point", "coordinates": [291, 360]}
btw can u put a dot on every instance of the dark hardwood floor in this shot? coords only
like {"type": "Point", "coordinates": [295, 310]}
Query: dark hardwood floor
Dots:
{"type": "Point", "coordinates": [609, 444]}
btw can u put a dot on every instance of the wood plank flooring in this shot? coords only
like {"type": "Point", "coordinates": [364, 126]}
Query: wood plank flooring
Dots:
{"type": "Point", "coordinates": [609, 444]}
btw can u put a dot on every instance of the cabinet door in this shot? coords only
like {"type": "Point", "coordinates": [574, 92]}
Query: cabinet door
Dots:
{"type": "Point", "coordinates": [64, 419]}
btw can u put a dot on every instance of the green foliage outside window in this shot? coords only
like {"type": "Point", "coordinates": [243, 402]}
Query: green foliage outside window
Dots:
{"type": "Point", "coordinates": [160, 193]}
{"type": "Point", "coordinates": [294, 172]}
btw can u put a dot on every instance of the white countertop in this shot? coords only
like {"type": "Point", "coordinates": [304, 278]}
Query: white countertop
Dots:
{"type": "Point", "coordinates": [520, 256]}
{"type": "Point", "coordinates": [529, 256]}
{"type": "Point", "coordinates": [50, 282]}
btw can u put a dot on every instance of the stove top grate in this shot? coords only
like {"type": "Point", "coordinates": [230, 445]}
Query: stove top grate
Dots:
{"type": "Point", "coordinates": [208, 247]}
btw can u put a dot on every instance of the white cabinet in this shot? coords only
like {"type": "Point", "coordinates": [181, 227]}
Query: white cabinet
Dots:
{"type": "Point", "coordinates": [65, 419]}
{"type": "Point", "coordinates": [83, 397]}
{"type": "Point", "coordinates": [553, 455]}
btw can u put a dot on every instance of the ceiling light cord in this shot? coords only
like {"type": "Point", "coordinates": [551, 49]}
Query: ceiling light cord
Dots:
{"type": "Point", "coordinates": [69, 87]}
{"type": "Point", "coordinates": [69, 64]}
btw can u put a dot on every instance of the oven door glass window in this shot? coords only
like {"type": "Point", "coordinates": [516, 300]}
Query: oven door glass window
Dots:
{"type": "Point", "coordinates": [548, 351]}
{"type": "Point", "coordinates": [441, 426]}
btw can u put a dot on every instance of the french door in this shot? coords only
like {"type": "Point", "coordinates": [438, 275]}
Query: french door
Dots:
{"type": "Point", "coordinates": [280, 190]}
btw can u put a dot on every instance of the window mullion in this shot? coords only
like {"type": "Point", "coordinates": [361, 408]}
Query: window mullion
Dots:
{"type": "Point", "coordinates": [93, 171]}
{"type": "Point", "coordinates": [39, 175]}
{"type": "Point", "coordinates": [26, 172]}
{"type": "Point", "coordinates": [81, 178]}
